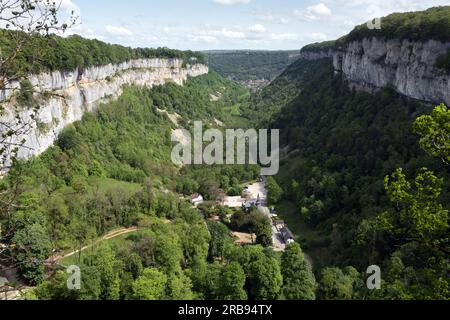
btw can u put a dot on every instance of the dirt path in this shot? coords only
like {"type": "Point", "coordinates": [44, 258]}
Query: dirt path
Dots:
{"type": "Point", "coordinates": [108, 236]}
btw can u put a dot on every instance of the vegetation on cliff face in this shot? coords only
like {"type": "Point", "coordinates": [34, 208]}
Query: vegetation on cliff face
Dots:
{"type": "Point", "coordinates": [320, 46]}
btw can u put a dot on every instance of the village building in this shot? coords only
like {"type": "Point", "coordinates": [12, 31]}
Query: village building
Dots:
{"type": "Point", "coordinates": [197, 199]}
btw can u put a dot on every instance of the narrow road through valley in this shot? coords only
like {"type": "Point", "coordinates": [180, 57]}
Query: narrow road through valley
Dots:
{"type": "Point", "coordinates": [259, 190]}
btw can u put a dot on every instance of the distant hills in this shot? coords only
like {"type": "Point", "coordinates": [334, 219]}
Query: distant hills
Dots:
{"type": "Point", "coordinates": [251, 68]}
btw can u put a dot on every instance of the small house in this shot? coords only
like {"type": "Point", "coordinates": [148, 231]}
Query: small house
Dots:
{"type": "Point", "coordinates": [197, 199]}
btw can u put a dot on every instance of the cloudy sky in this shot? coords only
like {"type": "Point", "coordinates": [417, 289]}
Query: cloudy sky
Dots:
{"type": "Point", "coordinates": [229, 24]}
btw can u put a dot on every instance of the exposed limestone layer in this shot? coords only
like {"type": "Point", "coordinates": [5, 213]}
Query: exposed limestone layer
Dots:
{"type": "Point", "coordinates": [71, 94]}
{"type": "Point", "coordinates": [407, 66]}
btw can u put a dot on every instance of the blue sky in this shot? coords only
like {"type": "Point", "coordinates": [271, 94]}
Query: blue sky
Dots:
{"type": "Point", "coordinates": [228, 24]}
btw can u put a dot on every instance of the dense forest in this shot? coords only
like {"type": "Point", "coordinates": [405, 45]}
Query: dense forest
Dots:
{"type": "Point", "coordinates": [50, 53]}
{"type": "Point", "coordinates": [250, 65]}
{"type": "Point", "coordinates": [342, 145]}
{"type": "Point", "coordinates": [112, 170]}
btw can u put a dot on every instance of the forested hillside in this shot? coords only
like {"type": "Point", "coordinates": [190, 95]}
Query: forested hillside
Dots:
{"type": "Point", "coordinates": [112, 170]}
{"type": "Point", "coordinates": [341, 146]}
{"type": "Point", "coordinates": [250, 65]}
{"type": "Point", "coordinates": [51, 53]}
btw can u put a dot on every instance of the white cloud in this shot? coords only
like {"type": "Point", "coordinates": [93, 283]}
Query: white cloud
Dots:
{"type": "Point", "coordinates": [269, 16]}
{"type": "Point", "coordinates": [118, 31]}
{"type": "Point", "coordinates": [285, 36]}
{"type": "Point", "coordinates": [265, 17]}
{"type": "Point", "coordinates": [313, 13]}
{"type": "Point", "coordinates": [84, 31]}
{"type": "Point", "coordinates": [268, 25]}
{"type": "Point", "coordinates": [367, 9]}
{"type": "Point", "coordinates": [257, 28]}
{"type": "Point", "coordinates": [305, 15]}
{"type": "Point", "coordinates": [227, 33]}
{"type": "Point", "coordinates": [320, 9]}
{"type": "Point", "coordinates": [348, 23]}
{"type": "Point", "coordinates": [202, 38]}
{"type": "Point", "coordinates": [69, 6]}
{"type": "Point", "coordinates": [231, 2]}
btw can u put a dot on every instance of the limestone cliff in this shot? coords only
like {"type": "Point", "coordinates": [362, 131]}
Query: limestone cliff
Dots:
{"type": "Point", "coordinates": [65, 96]}
{"type": "Point", "coordinates": [407, 66]}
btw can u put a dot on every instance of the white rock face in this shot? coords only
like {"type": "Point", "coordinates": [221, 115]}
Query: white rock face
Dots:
{"type": "Point", "coordinates": [407, 66]}
{"type": "Point", "coordinates": [80, 91]}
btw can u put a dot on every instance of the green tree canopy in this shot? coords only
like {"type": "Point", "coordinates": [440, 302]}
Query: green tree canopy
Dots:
{"type": "Point", "coordinates": [179, 287]}
{"type": "Point", "coordinates": [219, 239]}
{"type": "Point", "coordinates": [32, 247]}
{"type": "Point", "coordinates": [434, 132]}
{"type": "Point", "coordinates": [299, 282]}
{"type": "Point", "coordinates": [264, 279]}
{"type": "Point", "coordinates": [274, 191]}
{"type": "Point", "coordinates": [418, 215]}
{"type": "Point", "coordinates": [335, 285]}
{"type": "Point", "coordinates": [151, 285]}
{"type": "Point", "coordinates": [232, 282]}
{"type": "Point", "coordinates": [103, 262]}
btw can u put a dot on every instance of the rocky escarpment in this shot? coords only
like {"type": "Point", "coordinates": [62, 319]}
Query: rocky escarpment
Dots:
{"type": "Point", "coordinates": [64, 97]}
{"type": "Point", "coordinates": [407, 66]}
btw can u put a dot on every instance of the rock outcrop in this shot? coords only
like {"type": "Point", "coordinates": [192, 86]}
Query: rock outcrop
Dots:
{"type": "Point", "coordinates": [407, 66]}
{"type": "Point", "coordinates": [65, 96]}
